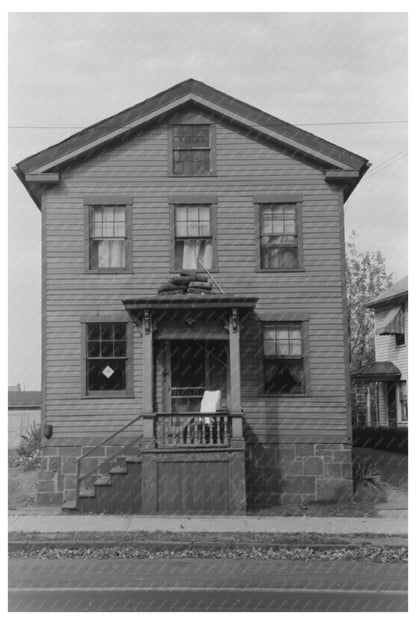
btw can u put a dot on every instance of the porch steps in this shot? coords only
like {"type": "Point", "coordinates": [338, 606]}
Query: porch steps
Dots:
{"type": "Point", "coordinates": [117, 492]}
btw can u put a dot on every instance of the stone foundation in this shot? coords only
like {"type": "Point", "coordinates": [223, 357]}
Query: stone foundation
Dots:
{"type": "Point", "coordinates": [297, 473]}
{"type": "Point", "coordinates": [275, 473]}
{"type": "Point", "coordinates": [57, 480]}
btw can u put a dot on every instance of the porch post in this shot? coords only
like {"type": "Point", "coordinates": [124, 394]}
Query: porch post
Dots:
{"type": "Point", "coordinates": [398, 405]}
{"type": "Point", "coordinates": [368, 406]}
{"type": "Point", "coordinates": [147, 333]}
{"type": "Point", "coordinates": [235, 379]}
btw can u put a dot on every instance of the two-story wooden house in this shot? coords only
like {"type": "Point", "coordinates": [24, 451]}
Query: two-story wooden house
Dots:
{"type": "Point", "coordinates": [386, 378]}
{"type": "Point", "coordinates": [193, 243]}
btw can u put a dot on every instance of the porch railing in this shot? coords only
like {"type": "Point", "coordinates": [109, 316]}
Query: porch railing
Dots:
{"type": "Point", "coordinates": [193, 430]}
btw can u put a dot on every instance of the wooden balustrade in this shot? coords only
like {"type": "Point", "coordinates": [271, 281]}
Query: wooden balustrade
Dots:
{"type": "Point", "coordinates": [192, 430]}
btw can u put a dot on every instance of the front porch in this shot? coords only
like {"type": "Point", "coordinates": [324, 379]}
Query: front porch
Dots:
{"type": "Point", "coordinates": [187, 460]}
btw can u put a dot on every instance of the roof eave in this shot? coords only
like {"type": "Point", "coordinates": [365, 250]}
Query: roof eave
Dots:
{"type": "Point", "coordinates": [187, 92]}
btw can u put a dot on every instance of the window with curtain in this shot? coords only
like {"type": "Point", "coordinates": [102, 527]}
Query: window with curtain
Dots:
{"type": "Point", "coordinates": [278, 237]}
{"type": "Point", "coordinates": [108, 237]}
{"type": "Point", "coordinates": [193, 237]}
{"type": "Point", "coordinates": [191, 149]}
{"type": "Point", "coordinates": [283, 358]}
{"type": "Point", "coordinates": [106, 357]}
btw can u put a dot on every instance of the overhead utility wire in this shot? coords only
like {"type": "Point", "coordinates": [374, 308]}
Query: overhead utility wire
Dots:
{"type": "Point", "coordinates": [334, 123]}
{"type": "Point", "coordinates": [387, 163]}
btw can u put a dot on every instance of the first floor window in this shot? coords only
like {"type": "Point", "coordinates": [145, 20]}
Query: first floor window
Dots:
{"type": "Point", "coordinates": [193, 237]}
{"type": "Point", "coordinates": [278, 237]}
{"type": "Point", "coordinates": [283, 358]}
{"type": "Point", "coordinates": [106, 357]}
{"type": "Point", "coordinates": [107, 237]}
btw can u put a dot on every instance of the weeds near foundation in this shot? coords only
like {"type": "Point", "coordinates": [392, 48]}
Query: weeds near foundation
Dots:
{"type": "Point", "coordinates": [28, 455]}
{"type": "Point", "coordinates": [367, 479]}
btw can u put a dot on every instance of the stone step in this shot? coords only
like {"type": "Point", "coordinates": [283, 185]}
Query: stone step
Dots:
{"type": "Point", "coordinates": [103, 481]}
{"type": "Point", "coordinates": [118, 470]}
{"type": "Point", "coordinates": [90, 493]}
{"type": "Point", "coordinates": [69, 505]}
{"type": "Point", "coordinates": [133, 459]}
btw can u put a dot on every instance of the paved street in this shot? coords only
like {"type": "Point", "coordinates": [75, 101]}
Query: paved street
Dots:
{"type": "Point", "coordinates": [205, 585]}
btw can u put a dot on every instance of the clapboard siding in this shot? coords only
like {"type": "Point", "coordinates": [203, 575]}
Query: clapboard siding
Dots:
{"type": "Point", "coordinates": [245, 166]}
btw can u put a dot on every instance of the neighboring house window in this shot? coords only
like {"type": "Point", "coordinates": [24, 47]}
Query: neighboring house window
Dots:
{"type": "Point", "coordinates": [192, 149]}
{"type": "Point", "coordinates": [108, 237]}
{"type": "Point", "coordinates": [400, 340]}
{"type": "Point", "coordinates": [193, 232]}
{"type": "Point", "coordinates": [283, 361]}
{"type": "Point", "coordinates": [106, 357]}
{"type": "Point", "coordinates": [279, 239]}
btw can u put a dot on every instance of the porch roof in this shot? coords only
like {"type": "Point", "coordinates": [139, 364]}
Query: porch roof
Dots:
{"type": "Point", "coordinates": [190, 302]}
{"type": "Point", "coordinates": [378, 371]}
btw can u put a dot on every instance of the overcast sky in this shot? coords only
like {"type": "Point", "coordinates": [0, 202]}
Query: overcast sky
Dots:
{"type": "Point", "coordinates": [335, 74]}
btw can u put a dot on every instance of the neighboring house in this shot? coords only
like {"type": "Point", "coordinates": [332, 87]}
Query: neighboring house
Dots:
{"type": "Point", "coordinates": [137, 210]}
{"type": "Point", "coordinates": [388, 374]}
{"type": "Point", "coordinates": [24, 413]}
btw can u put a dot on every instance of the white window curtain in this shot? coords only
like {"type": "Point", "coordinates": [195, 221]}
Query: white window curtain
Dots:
{"type": "Point", "coordinates": [195, 251]}
{"type": "Point", "coordinates": [111, 253]}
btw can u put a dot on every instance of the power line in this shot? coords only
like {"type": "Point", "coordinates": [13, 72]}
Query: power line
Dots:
{"type": "Point", "coordinates": [386, 164]}
{"type": "Point", "coordinates": [334, 123]}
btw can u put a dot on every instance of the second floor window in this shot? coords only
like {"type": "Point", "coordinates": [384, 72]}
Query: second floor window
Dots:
{"type": "Point", "coordinates": [107, 237]}
{"type": "Point", "coordinates": [191, 149]}
{"type": "Point", "coordinates": [193, 237]}
{"type": "Point", "coordinates": [278, 237]}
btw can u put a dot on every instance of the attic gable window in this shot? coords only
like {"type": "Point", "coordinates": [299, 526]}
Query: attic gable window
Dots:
{"type": "Point", "coordinates": [192, 149]}
{"type": "Point", "coordinates": [283, 358]}
{"type": "Point", "coordinates": [108, 237]}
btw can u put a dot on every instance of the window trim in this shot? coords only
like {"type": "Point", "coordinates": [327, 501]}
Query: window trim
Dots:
{"type": "Point", "coordinates": [277, 198]}
{"type": "Point", "coordinates": [213, 149]}
{"type": "Point", "coordinates": [303, 322]}
{"type": "Point", "coordinates": [107, 394]}
{"type": "Point", "coordinates": [89, 204]}
{"type": "Point", "coordinates": [197, 200]}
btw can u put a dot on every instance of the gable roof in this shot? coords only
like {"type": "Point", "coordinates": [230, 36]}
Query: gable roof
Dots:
{"type": "Point", "coordinates": [190, 91]}
{"type": "Point", "coordinates": [396, 290]}
{"type": "Point", "coordinates": [24, 399]}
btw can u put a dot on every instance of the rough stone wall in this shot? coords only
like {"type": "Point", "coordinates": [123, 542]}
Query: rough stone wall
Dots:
{"type": "Point", "coordinates": [293, 473]}
{"type": "Point", "coordinates": [275, 473]}
{"type": "Point", "coordinates": [57, 481]}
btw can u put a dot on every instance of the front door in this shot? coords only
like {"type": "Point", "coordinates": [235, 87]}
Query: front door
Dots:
{"type": "Point", "coordinates": [194, 366]}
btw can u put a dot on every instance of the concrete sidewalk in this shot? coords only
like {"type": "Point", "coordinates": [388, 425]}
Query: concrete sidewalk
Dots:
{"type": "Point", "coordinates": [42, 523]}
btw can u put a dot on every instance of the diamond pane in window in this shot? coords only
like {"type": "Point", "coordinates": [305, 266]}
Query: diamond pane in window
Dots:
{"type": "Point", "coordinates": [107, 372]}
{"type": "Point", "coordinates": [98, 381]}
